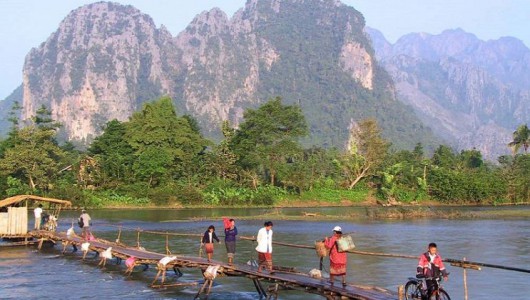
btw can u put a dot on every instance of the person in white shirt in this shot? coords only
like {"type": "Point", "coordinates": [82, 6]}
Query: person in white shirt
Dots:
{"type": "Point", "coordinates": [264, 247]}
{"type": "Point", "coordinates": [38, 215]}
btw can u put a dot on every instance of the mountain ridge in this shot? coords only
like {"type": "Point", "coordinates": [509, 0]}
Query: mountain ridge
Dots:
{"type": "Point", "coordinates": [473, 92]}
{"type": "Point", "coordinates": [106, 60]}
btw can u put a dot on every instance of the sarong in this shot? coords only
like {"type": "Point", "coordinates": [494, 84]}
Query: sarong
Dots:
{"type": "Point", "coordinates": [208, 247]}
{"type": "Point", "coordinates": [337, 269]}
{"type": "Point", "coordinates": [265, 259]}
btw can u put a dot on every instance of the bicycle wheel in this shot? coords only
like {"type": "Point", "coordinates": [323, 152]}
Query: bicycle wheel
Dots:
{"type": "Point", "coordinates": [440, 295]}
{"type": "Point", "coordinates": [412, 291]}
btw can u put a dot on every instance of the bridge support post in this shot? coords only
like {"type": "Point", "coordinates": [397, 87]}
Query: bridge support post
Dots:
{"type": "Point", "coordinates": [273, 292]}
{"type": "Point", "coordinates": [41, 241]}
{"type": "Point", "coordinates": [65, 244]}
{"type": "Point", "coordinates": [206, 287]}
{"type": "Point", "coordinates": [259, 287]}
{"type": "Point", "coordinates": [161, 272]}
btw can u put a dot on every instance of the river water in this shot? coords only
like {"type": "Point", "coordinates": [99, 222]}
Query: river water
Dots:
{"type": "Point", "coordinates": [28, 274]}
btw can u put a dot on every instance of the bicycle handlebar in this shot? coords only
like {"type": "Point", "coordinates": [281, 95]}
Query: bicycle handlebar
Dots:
{"type": "Point", "coordinates": [440, 277]}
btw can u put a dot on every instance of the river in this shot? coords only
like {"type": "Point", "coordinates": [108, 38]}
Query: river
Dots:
{"type": "Point", "coordinates": [26, 273]}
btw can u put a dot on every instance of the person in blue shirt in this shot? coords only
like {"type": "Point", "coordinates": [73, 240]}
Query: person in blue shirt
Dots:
{"type": "Point", "coordinates": [230, 241]}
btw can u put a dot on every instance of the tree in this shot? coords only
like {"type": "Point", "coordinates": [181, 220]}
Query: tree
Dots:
{"type": "Point", "coordinates": [163, 143]}
{"type": "Point", "coordinates": [221, 162]}
{"type": "Point", "coordinates": [35, 157]}
{"type": "Point", "coordinates": [366, 152]}
{"type": "Point", "coordinates": [269, 136]}
{"type": "Point", "coordinates": [521, 138]}
{"type": "Point", "coordinates": [444, 157]}
{"type": "Point", "coordinates": [113, 152]}
{"type": "Point", "coordinates": [13, 133]}
{"type": "Point", "coordinates": [471, 159]}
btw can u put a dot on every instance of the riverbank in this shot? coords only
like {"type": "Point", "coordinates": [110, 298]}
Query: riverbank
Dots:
{"type": "Point", "coordinates": [360, 212]}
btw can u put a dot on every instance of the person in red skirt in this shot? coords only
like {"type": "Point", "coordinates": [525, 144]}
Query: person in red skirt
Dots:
{"type": "Point", "coordinates": [337, 260]}
{"type": "Point", "coordinates": [207, 240]}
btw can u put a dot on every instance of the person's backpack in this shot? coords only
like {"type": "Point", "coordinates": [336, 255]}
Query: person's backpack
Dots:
{"type": "Point", "coordinates": [80, 222]}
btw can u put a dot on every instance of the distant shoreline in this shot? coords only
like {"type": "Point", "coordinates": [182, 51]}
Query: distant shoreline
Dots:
{"type": "Point", "coordinates": [373, 212]}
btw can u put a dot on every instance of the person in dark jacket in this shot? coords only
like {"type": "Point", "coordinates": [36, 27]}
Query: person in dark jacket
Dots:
{"type": "Point", "coordinates": [230, 240]}
{"type": "Point", "coordinates": [207, 240]}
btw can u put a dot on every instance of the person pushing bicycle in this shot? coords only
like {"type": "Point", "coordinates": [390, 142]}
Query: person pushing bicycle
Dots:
{"type": "Point", "coordinates": [430, 266]}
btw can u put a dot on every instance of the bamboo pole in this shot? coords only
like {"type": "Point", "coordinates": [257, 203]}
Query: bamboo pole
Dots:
{"type": "Point", "coordinates": [167, 245]}
{"type": "Point", "coordinates": [454, 262]}
{"type": "Point", "coordinates": [119, 235]}
{"type": "Point", "coordinates": [138, 239]}
{"type": "Point", "coordinates": [472, 265]}
{"type": "Point", "coordinates": [465, 281]}
{"type": "Point", "coordinates": [200, 248]}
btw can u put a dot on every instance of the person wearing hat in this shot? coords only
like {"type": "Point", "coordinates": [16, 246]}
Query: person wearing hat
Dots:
{"type": "Point", "coordinates": [338, 261]}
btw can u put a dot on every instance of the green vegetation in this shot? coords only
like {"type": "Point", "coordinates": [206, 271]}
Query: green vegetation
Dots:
{"type": "Point", "coordinates": [158, 158]}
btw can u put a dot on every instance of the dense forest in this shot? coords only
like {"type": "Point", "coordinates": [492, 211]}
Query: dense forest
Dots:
{"type": "Point", "coordinates": [160, 158]}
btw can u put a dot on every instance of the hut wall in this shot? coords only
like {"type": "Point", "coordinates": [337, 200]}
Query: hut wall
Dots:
{"type": "Point", "coordinates": [4, 221]}
{"type": "Point", "coordinates": [18, 220]}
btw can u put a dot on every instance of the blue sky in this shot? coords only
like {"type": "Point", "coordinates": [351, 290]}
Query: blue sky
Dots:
{"type": "Point", "coordinates": [25, 24]}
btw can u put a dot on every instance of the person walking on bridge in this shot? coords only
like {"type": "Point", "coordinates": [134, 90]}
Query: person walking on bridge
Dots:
{"type": "Point", "coordinates": [338, 261]}
{"type": "Point", "coordinates": [230, 240]}
{"type": "Point", "coordinates": [84, 222]}
{"type": "Point", "coordinates": [207, 240]}
{"type": "Point", "coordinates": [264, 247]}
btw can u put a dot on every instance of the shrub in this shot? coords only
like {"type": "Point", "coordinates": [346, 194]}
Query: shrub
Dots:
{"type": "Point", "coordinates": [165, 195]}
{"type": "Point", "coordinates": [189, 195]}
{"type": "Point", "coordinates": [71, 193]}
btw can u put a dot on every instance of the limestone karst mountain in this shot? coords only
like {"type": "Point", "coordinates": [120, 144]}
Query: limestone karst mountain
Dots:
{"type": "Point", "coordinates": [106, 59]}
{"type": "Point", "coordinates": [471, 92]}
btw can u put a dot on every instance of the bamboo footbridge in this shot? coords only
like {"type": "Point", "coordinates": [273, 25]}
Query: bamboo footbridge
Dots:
{"type": "Point", "coordinates": [280, 279]}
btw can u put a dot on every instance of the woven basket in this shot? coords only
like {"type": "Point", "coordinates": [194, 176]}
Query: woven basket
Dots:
{"type": "Point", "coordinates": [321, 249]}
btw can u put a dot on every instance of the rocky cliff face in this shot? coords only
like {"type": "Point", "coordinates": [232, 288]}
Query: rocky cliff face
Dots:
{"type": "Point", "coordinates": [105, 60]}
{"type": "Point", "coordinates": [473, 93]}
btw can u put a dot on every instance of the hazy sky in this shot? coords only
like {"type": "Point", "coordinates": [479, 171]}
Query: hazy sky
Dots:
{"type": "Point", "coordinates": [27, 23]}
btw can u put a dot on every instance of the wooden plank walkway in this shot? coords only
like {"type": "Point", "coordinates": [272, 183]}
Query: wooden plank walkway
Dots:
{"type": "Point", "coordinates": [279, 279]}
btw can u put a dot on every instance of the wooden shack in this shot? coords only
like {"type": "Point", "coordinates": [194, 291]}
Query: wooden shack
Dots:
{"type": "Point", "coordinates": [14, 213]}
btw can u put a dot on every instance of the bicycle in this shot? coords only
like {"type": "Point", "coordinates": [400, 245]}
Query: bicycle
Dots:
{"type": "Point", "coordinates": [416, 289]}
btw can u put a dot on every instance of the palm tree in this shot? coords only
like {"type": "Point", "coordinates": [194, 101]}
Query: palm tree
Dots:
{"type": "Point", "coordinates": [521, 138]}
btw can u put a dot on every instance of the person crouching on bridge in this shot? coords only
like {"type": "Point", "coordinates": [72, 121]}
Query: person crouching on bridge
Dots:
{"type": "Point", "coordinates": [264, 247]}
{"type": "Point", "coordinates": [230, 241]}
{"type": "Point", "coordinates": [207, 240]}
{"type": "Point", "coordinates": [337, 260]}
